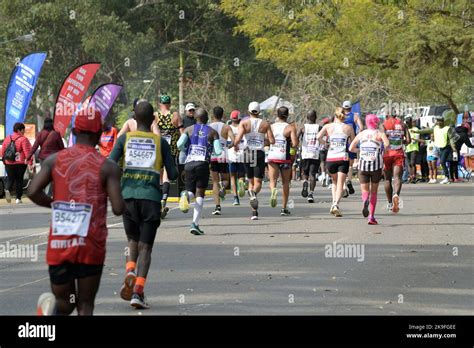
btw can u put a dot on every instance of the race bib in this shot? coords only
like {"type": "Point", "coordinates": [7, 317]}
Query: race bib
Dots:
{"type": "Point", "coordinates": [70, 219]}
{"type": "Point", "coordinates": [140, 153]}
{"type": "Point", "coordinates": [197, 153]}
{"type": "Point", "coordinates": [254, 143]}
{"type": "Point", "coordinates": [368, 155]}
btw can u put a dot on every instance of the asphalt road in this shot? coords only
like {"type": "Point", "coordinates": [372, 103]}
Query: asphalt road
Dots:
{"type": "Point", "coordinates": [417, 262]}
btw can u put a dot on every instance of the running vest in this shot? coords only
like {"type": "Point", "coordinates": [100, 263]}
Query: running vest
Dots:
{"type": "Point", "coordinates": [413, 146]}
{"type": "Point", "coordinates": [255, 140]}
{"type": "Point", "coordinates": [394, 131]}
{"type": "Point", "coordinates": [337, 144]}
{"type": "Point", "coordinates": [199, 149]}
{"type": "Point", "coordinates": [141, 166]}
{"type": "Point", "coordinates": [222, 158]}
{"type": "Point", "coordinates": [78, 230]}
{"type": "Point", "coordinates": [310, 146]}
{"type": "Point", "coordinates": [441, 136]}
{"type": "Point", "coordinates": [168, 131]}
{"type": "Point", "coordinates": [232, 155]}
{"type": "Point", "coordinates": [107, 140]}
{"type": "Point", "coordinates": [351, 121]}
{"type": "Point", "coordinates": [370, 147]}
{"type": "Point", "coordinates": [280, 151]}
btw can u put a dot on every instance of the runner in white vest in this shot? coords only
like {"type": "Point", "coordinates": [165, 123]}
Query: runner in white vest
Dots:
{"type": "Point", "coordinates": [219, 167]}
{"type": "Point", "coordinates": [310, 150]}
{"type": "Point", "coordinates": [280, 157]}
{"type": "Point", "coordinates": [236, 158]}
{"type": "Point", "coordinates": [337, 161]}
{"type": "Point", "coordinates": [254, 130]}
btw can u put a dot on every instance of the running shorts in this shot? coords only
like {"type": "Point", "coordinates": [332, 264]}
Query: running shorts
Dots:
{"type": "Point", "coordinates": [323, 154]}
{"type": "Point", "coordinates": [432, 158]}
{"type": "Point", "coordinates": [352, 155]}
{"type": "Point", "coordinates": [337, 167]}
{"type": "Point", "coordinates": [220, 167]}
{"type": "Point", "coordinates": [68, 272]}
{"type": "Point", "coordinates": [238, 168]}
{"type": "Point", "coordinates": [311, 166]}
{"type": "Point", "coordinates": [370, 177]}
{"type": "Point", "coordinates": [256, 167]}
{"type": "Point", "coordinates": [281, 166]}
{"type": "Point", "coordinates": [392, 161]}
{"type": "Point", "coordinates": [141, 219]}
{"type": "Point", "coordinates": [197, 175]}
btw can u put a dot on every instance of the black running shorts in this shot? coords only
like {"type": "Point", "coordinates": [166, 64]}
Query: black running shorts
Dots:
{"type": "Point", "coordinates": [197, 175]}
{"type": "Point", "coordinates": [141, 220]}
{"type": "Point", "coordinates": [337, 167]}
{"type": "Point", "coordinates": [68, 272]}
{"type": "Point", "coordinates": [255, 168]}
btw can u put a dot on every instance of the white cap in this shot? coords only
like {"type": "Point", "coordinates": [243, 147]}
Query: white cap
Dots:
{"type": "Point", "coordinates": [347, 104]}
{"type": "Point", "coordinates": [190, 106]}
{"type": "Point", "coordinates": [254, 107]}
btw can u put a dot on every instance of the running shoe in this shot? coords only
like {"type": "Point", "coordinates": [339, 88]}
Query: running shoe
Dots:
{"type": "Point", "coordinates": [241, 188]}
{"type": "Point", "coordinates": [336, 211]}
{"type": "Point", "coordinates": [184, 202]}
{"type": "Point", "coordinates": [372, 221]}
{"type": "Point", "coordinates": [390, 207]}
{"type": "Point", "coordinates": [346, 193]}
{"type": "Point", "coordinates": [18, 201]}
{"type": "Point", "coordinates": [365, 210]}
{"type": "Point", "coordinates": [458, 180]}
{"type": "Point", "coordinates": [273, 197]}
{"type": "Point", "coordinates": [325, 181]}
{"type": "Point", "coordinates": [444, 181]}
{"type": "Point", "coordinates": [8, 196]}
{"type": "Point", "coordinates": [196, 230]}
{"type": "Point", "coordinates": [127, 287]}
{"type": "Point", "coordinates": [350, 187]}
{"type": "Point", "coordinates": [217, 211]}
{"type": "Point", "coordinates": [285, 212]}
{"type": "Point", "coordinates": [254, 217]}
{"type": "Point", "coordinates": [222, 192]}
{"type": "Point", "coordinates": [139, 301]}
{"type": "Point", "coordinates": [331, 210]}
{"type": "Point", "coordinates": [253, 200]}
{"type": "Point", "coordinates": [304, 192]}
{"type": "Point", "coordinates": [46, 304]}
{"type": "Point", "coordinates": [310, 198]}
{"type": "Point", "coordinates": [164, 209]}
{"type": "Point", "coordinates": [396, 202]}
{"type": "Point", "coordinates": [236, 201]}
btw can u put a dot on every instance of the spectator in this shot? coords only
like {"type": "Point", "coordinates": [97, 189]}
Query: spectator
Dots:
{"type": "Point", "coordinates": [432, 156]}
{"type": "Point", "coordinates": [16, 166]}
{"type": "Point", "coordinates": [463, 131]}
{"type": "Point", "coordinates": [49, 140]}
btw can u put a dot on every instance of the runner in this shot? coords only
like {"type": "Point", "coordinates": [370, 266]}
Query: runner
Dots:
{"type": "Point", "coordinates": [188, 120]}
{"type": "Point", "coordinates": [370, 142]}
{"type": "Point", "coordinates": [337, 161]}
{"type": "Point", "coordinates": [236, 158]}
{"type": "Point", "coordinates": [280, 157]}
{"type": "Point", "coordinates": [394, 159]}
{"type": "Point", "coordinates": [131, 124]}
{"type": "Point", "coordinates": [254, 130]}
{"type": "Point", "coordinates": [353, 120]}
{"type": "Point", "coordinates": [200, 140]}
{"type": "Point", "coordinates": [323, 152]}
{"type": "Point", "coordinates": [170, 125]}
{"type": "Point", "coordinates": [143, 154]}
{"type": "Point", "coordinates": [107, 140]}
{"type": "Point", "coordinates": [310, 154]}
{"type": "Point", "coordinates": [219, 166]}
{"type": "Point", "coordinates": [83, 179]}
{"type": "Point", "coordinates": [412, 148]}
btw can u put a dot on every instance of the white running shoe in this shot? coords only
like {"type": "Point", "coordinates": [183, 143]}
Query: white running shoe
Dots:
{"type": "Point", "coordinates": [444, 181]}
{"type": "Point", "coordinates": [18, 201]}
{"type": "Point", "coordinates": [46, 304]}
{"type": "Point", "coordinates": [8, 196]}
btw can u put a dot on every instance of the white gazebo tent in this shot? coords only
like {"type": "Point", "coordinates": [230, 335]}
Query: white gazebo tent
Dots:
{"type": "Point", "coordinates": [269, 104]}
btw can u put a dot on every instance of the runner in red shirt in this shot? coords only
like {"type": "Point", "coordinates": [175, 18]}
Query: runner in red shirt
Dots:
{"type": "Point", "coordinates": [107, 140]}
{"type": "Point", "coordinates": [394, 159]}
{"type": "Point", "coordinates": [83, 179]}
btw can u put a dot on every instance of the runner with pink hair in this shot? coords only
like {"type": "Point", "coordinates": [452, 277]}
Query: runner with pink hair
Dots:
{"type": "Point", "coordinates": [371, 143]}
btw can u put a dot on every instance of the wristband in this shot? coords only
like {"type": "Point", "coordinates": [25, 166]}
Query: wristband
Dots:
{"type": "Point", "coordinates": [292, 151]}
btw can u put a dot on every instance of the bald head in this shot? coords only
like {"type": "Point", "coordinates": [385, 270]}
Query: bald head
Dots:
{"type": "Point", "coordinates": [144, 113]}
{"type": "Point", "coordinates": [201, 116]}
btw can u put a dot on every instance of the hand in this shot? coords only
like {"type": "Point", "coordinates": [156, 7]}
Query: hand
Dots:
{"type": "Point", "coordinates": [455, 156]}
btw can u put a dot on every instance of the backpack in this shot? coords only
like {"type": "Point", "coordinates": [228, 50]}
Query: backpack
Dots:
{"type": "Point", "coordinates": [10, 151]}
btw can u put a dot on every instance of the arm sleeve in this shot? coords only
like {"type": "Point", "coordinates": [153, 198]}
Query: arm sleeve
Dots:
{"type": "Point", "coordinates": [182, 141]}
{"type": "Point", "coordinates": [117, 151]}
{"type": "Point", "coordinates": [168, 160]}
{"type": "Point", "coordinates": [217, 147]}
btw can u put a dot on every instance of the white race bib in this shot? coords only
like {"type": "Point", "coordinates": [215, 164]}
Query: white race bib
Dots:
{"type": "Point", "coordinates": [70, 218]}
{"type": "Point", "coordinates": [140, 153]}
{"type": "Point", "coordinates": [368, 155]}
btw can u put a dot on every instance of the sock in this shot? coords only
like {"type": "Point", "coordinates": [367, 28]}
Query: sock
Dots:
{"type": "Point", "coordinates": [139, 285]}
{"type": "Point", "coordinates": [373, 203]}
{"type": "Point", "coordinates": [365, 196]}
{"type": "Point", "coordinates": [166, 190]}
{"type": "Point", "coordinates": [198, 205]}
{"type": "Point", "coordinates": [130, 266]}
{"type": "Point", "coordinates": [311, 192]}
{"type": "Point", "coordinates": [190, 196]}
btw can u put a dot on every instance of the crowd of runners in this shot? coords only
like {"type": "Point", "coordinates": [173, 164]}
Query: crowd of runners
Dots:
{"type": "Point", "coordinates": [135, 168]}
